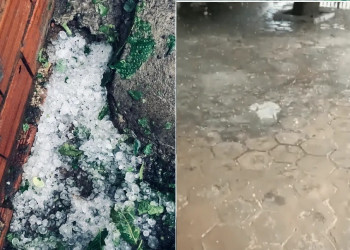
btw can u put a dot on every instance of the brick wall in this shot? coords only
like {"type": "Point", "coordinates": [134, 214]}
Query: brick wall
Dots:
{"type": "Point", "coordinates": [23, 27]}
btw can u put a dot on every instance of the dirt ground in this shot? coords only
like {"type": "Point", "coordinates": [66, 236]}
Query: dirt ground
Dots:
{"type": "Point", "coordinates": [243, 183]}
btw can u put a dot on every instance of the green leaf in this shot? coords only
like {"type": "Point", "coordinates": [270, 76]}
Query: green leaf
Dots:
{"type": "Point", "coordinates": [148, 149]}
{"type": "Point", "coordinates": [60, 66]}
{"type": "Point", "coordinates": [25, 127]}
{"type": "Point", "coordinates": [103, 112]}
{"type": "Point", "coordinates": [145, 207]}
{"type": "Point", "coordinates": [103, 10]}
{"type": "Point", "coordinates": [124, 220]}
{"type": "Point", "coordinates": [109, 31]}
{"type": "Point", "coordinates": [38, 182]}
{"type": "Point", "coordinates": [141, 171]}
{"type": "Point", "coordinates": [69, 150]}
{"type": "Point", "coordinates": [129, 5]}
{"type": "Point", "coordinates": [144, 123]}
{"type": "Point", "coordinates": [42, 58]}
{"type": "Point", "coordinates": [168, 125]}
{"type": "Point", "coordinates": [99, 241]}
{"type": "Point", "coordinates": [60, 246]}
{"type": "Point", "coordinates": [136, 95]}
{"type": "Point", "coordinates": [24, 187]}
{"type": "Point", "coordinates": [137, 145]}
{"type": "Point", "coordinates": [66, 79]}
{"type": "Point", "coordinates": [87, 50]}
{"type": "Point", "coordinates": [39, 76]}
{"type": "Point", "coordinates": [171, 44]}
{"type": "Point", "coordinates": [67, 29]}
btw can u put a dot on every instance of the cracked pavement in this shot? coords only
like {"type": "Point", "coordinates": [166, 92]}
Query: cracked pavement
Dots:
{"type": "Point", "coordinates": [243, 184]}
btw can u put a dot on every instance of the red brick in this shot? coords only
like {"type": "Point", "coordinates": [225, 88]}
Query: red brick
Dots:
{"type": "Point", "coordinates": [36, 32]}
{"type": "Point", "coordinates": [12, 26]}
{"type": "Point", "coordinates": [13, 109]}
{"type": "Point", "coordinates": [6, 216]}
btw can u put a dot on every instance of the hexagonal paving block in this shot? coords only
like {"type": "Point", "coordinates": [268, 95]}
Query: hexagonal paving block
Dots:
{"type": "Point", "coordinates": [261, 144]}
{"type": "Point", "coordinates": [312, 241]}
{"type": "Point", "coordinates": [226, 237]}
{"type": "Point", "coordinates": [286, 153]}
{"type": "Point", "coordinates": [228, 150]}
{"type": "Point", "coordinates": [341, 125]}
{"type": "Point", "coordinates": [293, 123]}
{"type": "Point", "coordinates": [341, 111]}
{"type": "Point", "coordinates": [195, 220]}
{"type": "Point", "coordinates": [316, 165]}
{"type": "Point", "coordinates": [197, 155]}
{"type": "Point", "coordinates": [237, 211]}
{"type": "Point", "coordinates": [341, 158]}
{"type": "Point", "coordinates": [341, 234]}
{"type": "Point", "coordinates": [318, 146]}
{"type": "Point", "coordinates": [342, 140]}
{"type": "Point", "coordinates": [315, 188]}
{"type": "Point", "coordinates": [289, 138]}
{"type": "Point", "coordinates": [254, 160]}
{"type": "Point", "coordinates": [273, 227]}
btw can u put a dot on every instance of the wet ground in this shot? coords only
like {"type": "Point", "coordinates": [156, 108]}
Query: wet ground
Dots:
{"type": "Point", "coordinates": [243, 183]}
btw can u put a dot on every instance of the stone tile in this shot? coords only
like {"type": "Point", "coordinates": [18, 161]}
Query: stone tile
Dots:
{"type": "Point", "coordinates": [186, 242]}
{"type": "Point", "coordinates": [293, 123]}
{"type": "Point", "coordinates": [226, 237]}
{"type": "Point", "coordinates": [209, 192]}
{"type": "Point", "coordinates": [341, 125]}
{"type": "Point", "coordinates": [195, 220]}
{"type": "Point", "coordinates": [318, 146]}
{"type": "Point", "coordinates": [273, 227]}
{"type": "Point", "coordinates": [280, 197]}
{"type": "Point", "coordinates": [261, 144]}
{"type": "Point", "coordinates": [196, 156]}
{"type": "Point", "coordinates": [289, 138]}
{"type": "Point", "coordinates": [254, 160]}
{"type": "Point", "coordinates": [341, 158]}
{"type": "Point", "coordinates": [341, 111]}
{"type": "Point", "coordinates": [238, 211]}
{"type": "Point", "coordinates": [228, 151]}
{"type": "Point", "coordinates": [316, 166]}
{"type": "Point", "coordinates": [315, 189]}
{"type": "Point", "coordinates": [286, 153]}
{"type": "Point", "coordinates": [324, 132]}
{"type": "Point", "coordinates": [312, 241]}
{"type": "Point", "coordinates": [341, 234]}
{"type": "Point", "coordinates": [342, 140]}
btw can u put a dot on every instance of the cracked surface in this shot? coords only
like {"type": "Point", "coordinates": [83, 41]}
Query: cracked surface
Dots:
{"type": "Point", "coordinates": [243, 184]}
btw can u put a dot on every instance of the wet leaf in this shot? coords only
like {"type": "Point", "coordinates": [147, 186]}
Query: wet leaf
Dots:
{"type": "Point", "coordinates": [129, 5]}
{"type": "Point", "coordinates": [66, 79]}
{"type": "Point", "coordinates": [109, 31]}
{"type": "Point", "coordinates": [43, 58]}
{"type": "Point", "coordinates": [87, 50]}
{"type": "Point", "coordinates": [145, 207]}
{"type": "Point", "coordinates": [102, 10]}
{"type": "Point", "coordinates": [103, 112]}
{"type": "Point", "coordinates": [168, 125]}
{"type": "Point", "coordinates": [38, 182]}
{"type": "Point", "coordinates": [39, 76]}
{"type": "Point", "coordinates": [136, 95]}
{"type": "Point", "coordinates": [137, 146]}
{"type": "Point", "coordinates": [99, 241]}
{"type": "Point", "coordinates": [69, 150]}
{"type": "Point", "coordinates": [24, 187]}
{"type": "Point", "coordinates": [144, 123]}
{"type": "Point", "coordinates": [171, 44]}
{"type": "Point", "coordinates": [25, 127]}
{"type": "Point", "coordinates": [124, 220]}
{"type": "Point", "coordinates": [67, 29]}
{"type": "Point", "coordinates": [141, 171]}
{"type": "Point", "coordinates": [148, 149]}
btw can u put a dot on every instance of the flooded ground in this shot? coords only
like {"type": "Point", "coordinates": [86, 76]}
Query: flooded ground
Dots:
{"type": "Point", "coordinates": [247, 183]}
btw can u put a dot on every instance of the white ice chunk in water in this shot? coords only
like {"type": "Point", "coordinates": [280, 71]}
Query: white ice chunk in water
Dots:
{"type": "Point", "coordinates": [266, 110]}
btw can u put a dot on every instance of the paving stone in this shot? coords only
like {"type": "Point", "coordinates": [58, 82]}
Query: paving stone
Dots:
{"type": "Point", "coordinates": [318, 146]}
{"type": "Point", "coordinates": [342, 140]}
{"type": "Point", "coordinates": [315, 189]}
{"type": "Point", "coordinates": [199, 217]}
{"type": "Point", "coordinates": [312, 241]}
{"type": "Point", "coordinates": [341, 111]}
{"type": "Point", "coordinates": [273, 227]}
{"type": "Point", "coordinates": [226, 237]}
{"type": "Point", "coordinates": [261, 144]}
{"type": "Point", "coordinates": [341, 125]}
{"type": "Point", "coordinates": [293, 123]}
{"type": "Point", "coordinates": [341, 158]}
{"type": "Point", "coordinates": [289, 138]}
{"type": "Point", "coordinates": [316, 165]}
{"type": "Point", "coordinates": [198, 155]}
{"type": "Point", "coordinates": [228, 150]}
{"type": "Point", "coordinates": [238, 211]}
{"type": "Point", "coordinates": [254, 160]}
{"type": "Point", "coordinates": [286, 153]}
{"type": "Point", "coordinates": [341, 234]}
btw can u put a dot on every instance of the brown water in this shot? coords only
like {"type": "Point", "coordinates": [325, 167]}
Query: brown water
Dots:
{"type": "Point", "coordinates": [243, 183]}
